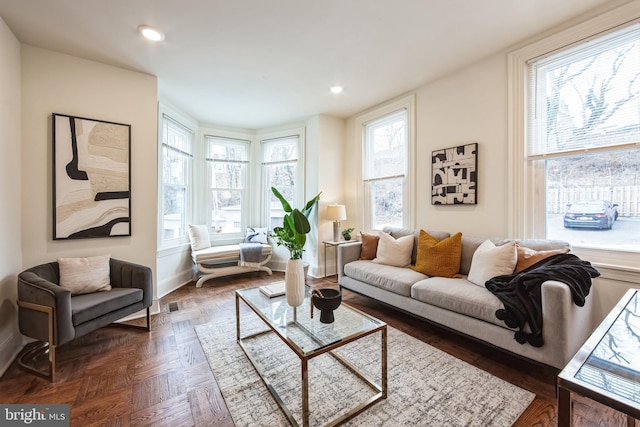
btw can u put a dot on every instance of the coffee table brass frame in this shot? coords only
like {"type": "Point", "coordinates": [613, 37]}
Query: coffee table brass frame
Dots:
{"type": "Point", "coordinates": [381, 389]}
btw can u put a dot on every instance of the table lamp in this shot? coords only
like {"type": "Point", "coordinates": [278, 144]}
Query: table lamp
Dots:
{"type": "Point", "coordinates": [336, 213]}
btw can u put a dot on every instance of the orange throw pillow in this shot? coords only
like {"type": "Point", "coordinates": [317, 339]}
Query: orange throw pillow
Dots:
{"type": "Point", "coordinates": [438, 258]}
{"type": "Point", "coordinates": [527, 257]}
{"type": "Point", "coordinates": [369, 245]}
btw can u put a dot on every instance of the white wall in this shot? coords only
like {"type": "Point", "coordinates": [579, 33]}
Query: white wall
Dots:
{"type": "Point", "coordinates": [465, 107]}
{"type": "Point", "coordinates": [57, 83]}
{"type": "Point", "coordinates": [10, 194]}
{"type": "Point", "coordinates": [325, 166]}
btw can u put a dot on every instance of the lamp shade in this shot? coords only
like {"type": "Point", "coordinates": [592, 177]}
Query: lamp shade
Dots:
{"type": "Point", "coordinates": [336, 213]}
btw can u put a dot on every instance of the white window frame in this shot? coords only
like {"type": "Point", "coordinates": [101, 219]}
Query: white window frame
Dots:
{"type": "Point", "coordinates": [203, 177]}
{"type": "Point", "coordinates": [265, 187]}
{"type": "Point", "coordinates": [406, 103]}
{"type": "Point", "coordinates": [526, 215]}
{"type": "Point", "coordinates": [166, 112]}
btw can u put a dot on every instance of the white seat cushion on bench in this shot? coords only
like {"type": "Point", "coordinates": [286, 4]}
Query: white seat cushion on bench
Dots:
{"type": "Point", "coordinates": [222, 253]}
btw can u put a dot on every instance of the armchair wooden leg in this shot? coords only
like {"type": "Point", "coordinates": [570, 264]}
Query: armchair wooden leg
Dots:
{"type": "Point", "coordinates": [28, 360]}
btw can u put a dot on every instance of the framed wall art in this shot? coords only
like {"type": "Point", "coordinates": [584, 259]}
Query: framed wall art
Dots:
{"type": "Point", "coordinates": [91, 178]}
{"type": "Point", "coordinates": [454, 176]}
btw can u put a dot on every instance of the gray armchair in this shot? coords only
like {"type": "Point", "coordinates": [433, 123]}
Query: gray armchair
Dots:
{"type": "Point", "coordinates": [50, 314]}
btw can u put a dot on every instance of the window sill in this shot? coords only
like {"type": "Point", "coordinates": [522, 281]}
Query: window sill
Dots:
{"type": "Point", "coordinates": [614, 265]}
{"type": "Point", "coordinates": [170, 250]}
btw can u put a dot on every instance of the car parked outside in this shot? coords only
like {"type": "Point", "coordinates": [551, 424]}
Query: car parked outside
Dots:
{"type": "Point", "coordinates": [591, 214]}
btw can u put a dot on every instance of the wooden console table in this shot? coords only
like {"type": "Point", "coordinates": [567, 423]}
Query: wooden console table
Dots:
{"type": "Point", "coordinates": [607, 367]}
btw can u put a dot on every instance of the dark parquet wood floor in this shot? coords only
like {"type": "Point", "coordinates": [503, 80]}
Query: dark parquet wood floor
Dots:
{"type": "Point", "coordinates": [119, 376]}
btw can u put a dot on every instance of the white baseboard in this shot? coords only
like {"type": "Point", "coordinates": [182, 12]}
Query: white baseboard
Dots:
{"type": "Point", "coordinates": [174, 282]}
{"type": "Point", "coordinates": [9, 349]}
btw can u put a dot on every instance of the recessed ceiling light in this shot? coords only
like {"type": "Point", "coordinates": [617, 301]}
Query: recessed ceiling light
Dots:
{"type": "Point", "coordinates": [337, 89]}
{"type": "Point", "coordinates": [151, 33]}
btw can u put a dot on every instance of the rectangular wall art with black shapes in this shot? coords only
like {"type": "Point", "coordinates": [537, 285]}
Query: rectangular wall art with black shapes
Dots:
{"type": "Point", "coordinates": [91, 178]}
{"type": "Point", "coordinates": [454, 176]}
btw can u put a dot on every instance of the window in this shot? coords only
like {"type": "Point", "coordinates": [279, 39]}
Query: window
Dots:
{"type": "Point", "coordinates": [574, 129]}
{"type": "Point", "coordinates": [177, 141]}
{"type": "Point", "coordinates": [584, 127]}
{"type": "Point", "coordinates": [227, 169]}
{"type": "Point", "coordinates": [385, 171]}
{"type": "Point", "coordinates": [281, 169]}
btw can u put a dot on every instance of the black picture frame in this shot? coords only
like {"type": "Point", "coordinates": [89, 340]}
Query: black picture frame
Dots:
{"type": "Point", "coordinates": [91, 178]}
{"type": "Point", "coordinates": [454, 175]}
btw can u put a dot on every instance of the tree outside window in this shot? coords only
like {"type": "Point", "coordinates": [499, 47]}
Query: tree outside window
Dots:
{"type": "Point", "coordinates": [227, 161]}
{"type": "Point", "coordinates": [584, 125]}
{"type": "Point", "coordinates": [385, 154]}
{"type": "Point", "coordinates": [280, 170]}
{"type": "Point", "coordinates": [176, 178]}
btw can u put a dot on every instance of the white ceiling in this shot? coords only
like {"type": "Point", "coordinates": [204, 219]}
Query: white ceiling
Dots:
{"type": "Point", "coordinates": [259, 63]}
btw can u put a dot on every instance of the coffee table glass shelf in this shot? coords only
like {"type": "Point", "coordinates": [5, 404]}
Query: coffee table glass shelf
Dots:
{"type": "Point", "coordinates": [301, 330]}
{"type": "Point", "coordinates": [607, 367]}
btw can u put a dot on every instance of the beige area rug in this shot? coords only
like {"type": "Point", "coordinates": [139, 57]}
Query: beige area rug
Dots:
{"type": "Point", "coordinates": [426, 386]}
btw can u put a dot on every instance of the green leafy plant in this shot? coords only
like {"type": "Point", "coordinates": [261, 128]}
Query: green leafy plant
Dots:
{"type": "Point", "coordinates": [295, 225]}
{"type": "Point", "coordinates": [346, 233]}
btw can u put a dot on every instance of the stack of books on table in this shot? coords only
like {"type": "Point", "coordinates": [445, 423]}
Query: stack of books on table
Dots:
{"type": "Point", "coordinates": [274, 289]}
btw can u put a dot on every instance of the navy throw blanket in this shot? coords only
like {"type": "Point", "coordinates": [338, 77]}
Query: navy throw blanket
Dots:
{"type": "Point", "coordinates": [521, 293]}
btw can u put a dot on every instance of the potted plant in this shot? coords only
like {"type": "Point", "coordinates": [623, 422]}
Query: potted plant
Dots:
{"type": "Point", "coordinates": [293, 236]}
{"type": "Point", "coordinates": [346, 233]}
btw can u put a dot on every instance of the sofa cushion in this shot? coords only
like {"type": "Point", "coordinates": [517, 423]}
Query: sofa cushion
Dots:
{"type": "Point", "coordinates": [393, 279]}
{"type": "Point", "coordinates": [395, 252]}
{"type": "Point", "coordinates": [490, 261]}
{"type": "Point", "coordinates": [257, 235]}
{"type": "Point", "coordinates": [85, 275]}
{"type": "Point", "coordinates": [460, 296]}
{"type": "Point", "coordinates": [399, 232]}
{"type": "Point", "coordinates": [527, 256]}
{"type": "Point", "coordinates": [471, 243]}
{"type": "Point", "coordinates": [91, 306]}
{"type": "Point", "coordinates": [469, 246]}
{"type": "Point", "coordinates": [199, 237]}
{"type": "Point", "coordinates": [369, 245]}
{"type": "Point", "coordinates": [438, 257]}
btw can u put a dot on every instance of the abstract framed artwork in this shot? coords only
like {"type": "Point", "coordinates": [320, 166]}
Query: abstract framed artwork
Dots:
{"type": "Point", "coordinates": [454, 175]}
{"type": "Point", "coordinates": [91, 178]}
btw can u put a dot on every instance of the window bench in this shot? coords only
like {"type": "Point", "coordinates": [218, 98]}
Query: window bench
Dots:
{"type": "Point", "coordinates": [218, 261]}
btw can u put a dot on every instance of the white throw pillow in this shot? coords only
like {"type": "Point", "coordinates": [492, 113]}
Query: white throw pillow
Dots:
{"type": "Point", "coordinates": [199, 237]}
{"type": "Point", "coordinates": [85, 275]}
{"type": "Point", "coordinates": [396, 252]}
{"type": "Point", "coordinates": [490, 261]}
{"type": "Point", "coordinates": [256, 235]}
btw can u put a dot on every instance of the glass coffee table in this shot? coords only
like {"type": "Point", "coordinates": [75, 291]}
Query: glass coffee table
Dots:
{"type": "Point", "coordinates": [301, 330]}
{"type": "Point", "coordinates": [607, 367]}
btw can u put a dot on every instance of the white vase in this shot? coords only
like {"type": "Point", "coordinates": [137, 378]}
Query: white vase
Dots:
{"type": "Point", "coordinates": [294, 282]}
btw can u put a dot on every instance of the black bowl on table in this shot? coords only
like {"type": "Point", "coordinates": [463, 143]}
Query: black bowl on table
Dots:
{"type": "Point", "coordinates": [326, 300]}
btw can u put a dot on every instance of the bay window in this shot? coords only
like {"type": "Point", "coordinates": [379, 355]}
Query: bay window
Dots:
{"type": "Point", "coordinates": [282, 169]}
{"type": "Point", "coordinates": [176, 169]}
{"type": "Point", "coordinates": [227, 161]}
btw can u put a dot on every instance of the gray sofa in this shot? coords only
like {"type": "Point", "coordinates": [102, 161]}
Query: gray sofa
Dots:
{"type": "Point", "coordinates": [460, 305]}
